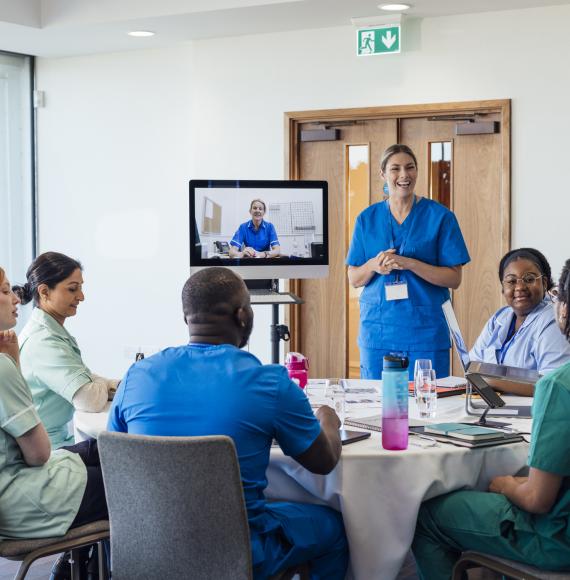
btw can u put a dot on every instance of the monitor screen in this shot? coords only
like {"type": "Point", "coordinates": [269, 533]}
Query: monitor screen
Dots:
{"type": "Point", "coordinates": [260, 229]}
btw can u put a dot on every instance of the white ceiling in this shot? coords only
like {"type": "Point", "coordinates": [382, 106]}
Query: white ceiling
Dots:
{"type": "Point", "coordinates": [70, 27]}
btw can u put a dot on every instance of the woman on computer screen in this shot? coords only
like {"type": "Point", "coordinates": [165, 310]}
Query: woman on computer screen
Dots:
{"type": "Point", "coordinates": [524, 333]}
{"type": "Point", "coordinates": [255, 238]}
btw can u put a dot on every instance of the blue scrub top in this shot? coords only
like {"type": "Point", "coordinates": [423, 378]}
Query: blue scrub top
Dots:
{"type": "Point", "coordinates": [537, 345]}
{"type": "Point", "coordinates": [262, 239]}
{"type": "Point", "coordinates": [432, 235]}
{"type": "Point", "coordinates": [202, 389]}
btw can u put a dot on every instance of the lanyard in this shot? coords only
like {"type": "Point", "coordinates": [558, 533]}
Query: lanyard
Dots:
{"type": "Point", "coordinates": [500, 353]}
{"type": "Point", "coordinates": [412, 217]}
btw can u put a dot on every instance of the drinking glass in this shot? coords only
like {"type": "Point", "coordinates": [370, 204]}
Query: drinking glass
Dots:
{"type": "Point", "coordinates": [426, 394]}
{"type": "Point", "coordinates": [338, 397]}
{"type": "Point", "coordinates": [421, 364]}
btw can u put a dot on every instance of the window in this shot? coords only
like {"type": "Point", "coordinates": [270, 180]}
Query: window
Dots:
{"type": "Point", "coordinates": [17, 208]}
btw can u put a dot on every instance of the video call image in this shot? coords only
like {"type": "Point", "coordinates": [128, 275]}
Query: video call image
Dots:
{"type": "Point", "coordinates": [259, 223]}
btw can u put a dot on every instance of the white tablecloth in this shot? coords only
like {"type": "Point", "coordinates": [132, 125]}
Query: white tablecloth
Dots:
{"type": "Point", "coordinates": [379, 492]}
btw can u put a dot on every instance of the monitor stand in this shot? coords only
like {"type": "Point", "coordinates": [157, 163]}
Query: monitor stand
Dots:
{"type": "Point", "coordinates": [267, 292]}
{"type": "Point", "coordinates": [484, 423]}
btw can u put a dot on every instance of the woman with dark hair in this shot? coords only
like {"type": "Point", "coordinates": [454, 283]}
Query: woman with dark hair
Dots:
{"type": "Point", "coordinates": [520, 518]}
{"type": "Point", "coordinates": [255, 238]}
{"type": "Point", "coordinates": [406, 252]}
{"type": "Point", "coordinates": [51, 361]}
{"type": "Point", "coordinates": [42, 494]}
{"type": "Point", "coordinates": [523, 333]}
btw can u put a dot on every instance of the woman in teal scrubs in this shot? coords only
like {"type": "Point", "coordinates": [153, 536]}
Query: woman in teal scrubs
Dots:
{"type": "Point", "coordinates": [521, 518]}
{"type": "Point", "coordinates": [407, 252]}
{"type": "Point", "coordinates": [51, 360]}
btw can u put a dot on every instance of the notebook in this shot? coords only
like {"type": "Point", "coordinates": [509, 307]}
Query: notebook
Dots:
{"type": "Point", "coordinates": [465, 431]}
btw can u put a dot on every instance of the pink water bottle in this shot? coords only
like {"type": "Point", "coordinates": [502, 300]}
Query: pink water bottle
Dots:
{"type": "Point", "coordinates": [395, 403]}
{"type": "Point", "coordinates": [298, 367]}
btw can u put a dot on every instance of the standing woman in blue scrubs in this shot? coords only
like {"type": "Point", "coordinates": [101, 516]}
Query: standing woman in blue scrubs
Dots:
{"type": "Point", "coordinates": [255, 238]}
{"type": "Point", "coordinates": [407, 252]}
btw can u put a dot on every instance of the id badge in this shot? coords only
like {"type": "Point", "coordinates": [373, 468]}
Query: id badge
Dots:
{"type": "Point", "coordinates": [396, 291]}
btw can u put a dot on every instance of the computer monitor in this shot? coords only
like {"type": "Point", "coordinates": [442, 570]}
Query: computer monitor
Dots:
{"type": "Point", "coordinates": [296, 214]}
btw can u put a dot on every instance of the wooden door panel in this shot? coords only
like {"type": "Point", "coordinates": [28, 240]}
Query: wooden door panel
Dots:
{"type": "Point", "coordinates": [478, 202]}
{"type": "Point", "coordinates": [417, 134]}
{"type": "Point", "coordinates": [323, 334]}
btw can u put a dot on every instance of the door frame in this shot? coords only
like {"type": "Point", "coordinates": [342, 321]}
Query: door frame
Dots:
{"type": "Point", "coordinates": [293, 120]}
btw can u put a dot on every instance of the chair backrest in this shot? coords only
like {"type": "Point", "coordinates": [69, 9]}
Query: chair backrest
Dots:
{"type": "Point", "coordinates": [176, 507]}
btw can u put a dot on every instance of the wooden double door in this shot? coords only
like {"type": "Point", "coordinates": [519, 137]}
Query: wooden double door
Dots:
{"type": "Point", "coordinates": [463, 152]}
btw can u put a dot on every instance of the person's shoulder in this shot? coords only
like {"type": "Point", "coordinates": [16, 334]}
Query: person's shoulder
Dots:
{"type": "Point", "coordinates": [557, 380]}
{"type": "Point", "coordinates": [434, 208]}
{"type": "Point", "coordinates": [7, 365]}
{"type": "Point", "coordinates": [371, 211]}
{"type": "Point", "coordinates": [545, 314]}
{"type": "Point", "coordinates": [501, 316]}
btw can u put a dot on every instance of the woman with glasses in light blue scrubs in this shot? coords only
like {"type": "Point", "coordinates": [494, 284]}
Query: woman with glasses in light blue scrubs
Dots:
{"type": "Point", "coordinates": [406, 252]}
{"type": "Point", "coordinates": [524, 333]}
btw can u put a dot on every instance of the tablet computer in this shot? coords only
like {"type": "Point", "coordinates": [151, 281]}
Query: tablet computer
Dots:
{"type": "Point", "coordinates": [348, 437]}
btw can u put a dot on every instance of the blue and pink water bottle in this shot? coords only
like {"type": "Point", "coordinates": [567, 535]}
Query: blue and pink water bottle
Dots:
{"type": "Point", "coordinates": [395, 403]}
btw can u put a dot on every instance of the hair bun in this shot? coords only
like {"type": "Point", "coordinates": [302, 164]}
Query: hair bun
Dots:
{"type": "Point", "coordinates": [24, 292]}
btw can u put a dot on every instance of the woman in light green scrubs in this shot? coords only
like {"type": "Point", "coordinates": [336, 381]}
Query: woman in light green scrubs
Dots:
{"type": "Point", "coordinates": [520, 518]}
{"type": "Point", "coordinates": [41, 495]}
{"type": "Point", "coordinates": [51, 361]}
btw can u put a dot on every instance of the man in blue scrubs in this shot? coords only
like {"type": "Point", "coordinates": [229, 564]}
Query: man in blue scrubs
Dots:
{"type": "Point", "coordinates": [211, 387]}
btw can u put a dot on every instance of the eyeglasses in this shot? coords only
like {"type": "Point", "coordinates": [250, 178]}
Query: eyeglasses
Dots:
{"type": "Point", "coordinates": [528, 280]}
{"type": "Point", "coordinates": [554, 295]}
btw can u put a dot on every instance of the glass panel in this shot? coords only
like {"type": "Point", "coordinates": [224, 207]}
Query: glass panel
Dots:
{"type": "Point", "coordinates": [358, 196]}
{"type": "Point", "coordinates": [440, 172]}
{"type": "Point", "coordinates": [16, 239]}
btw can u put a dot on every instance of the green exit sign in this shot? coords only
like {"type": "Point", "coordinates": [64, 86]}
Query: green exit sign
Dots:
{"type": "Point", "coordinates": [378, 40]}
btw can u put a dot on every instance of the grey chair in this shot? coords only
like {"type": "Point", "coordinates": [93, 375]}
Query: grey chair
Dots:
{"type": "Point", "coordinates": [28, 551]}
{"type": "Point", "coordinates": [504, 567]}
{"type": "Point", "coordinates": [176, 508]}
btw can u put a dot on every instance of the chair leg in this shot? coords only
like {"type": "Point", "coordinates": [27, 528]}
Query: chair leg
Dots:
{"type": "Point", "coordinates": [460, 569]}
{"type": "Point", "coordinates": [23, 569]}
{"type": "Point", "coordinates": [75, 565]}
{"type": "Point", "coordinates": [102, 561]}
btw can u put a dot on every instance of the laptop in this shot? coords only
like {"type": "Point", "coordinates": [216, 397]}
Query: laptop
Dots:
{"type": "Point", "coordinates": [476, 371]}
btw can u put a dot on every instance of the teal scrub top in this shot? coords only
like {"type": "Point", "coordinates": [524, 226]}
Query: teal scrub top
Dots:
{"type": "Point", "coordinates": [54, 370]}
{"type": "Point", "coordinates": [430, 234]}
{"type": "Point", "coordinates": [35, 502]}
{"type": "Point", "coordinates": [550, 445]}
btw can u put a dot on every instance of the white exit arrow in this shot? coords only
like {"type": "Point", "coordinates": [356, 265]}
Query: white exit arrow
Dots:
{"type": "Point", "coordinates": [389, 39]}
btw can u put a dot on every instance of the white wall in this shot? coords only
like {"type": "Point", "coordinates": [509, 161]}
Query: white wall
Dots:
{"type": "Point", "coordinates": [121, 135]}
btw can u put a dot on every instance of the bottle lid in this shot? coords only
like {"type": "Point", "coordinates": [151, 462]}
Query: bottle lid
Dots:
{"type": "Point", "coordinates": [395, 362]}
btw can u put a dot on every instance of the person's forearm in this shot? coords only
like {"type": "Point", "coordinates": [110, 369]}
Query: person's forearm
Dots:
{"type": "Point", "coordinates": [273, 252]}
{"type": "Point", "coordinates": [360, 275]}
{"type": "Point", "coordinates": [329, 427]}
{"type": "Point", "coordinates": [234, 252]}
{"type": "Point", "coordinates": [437, 275]}
{"type": "Point", "coordinates": [524, 495]}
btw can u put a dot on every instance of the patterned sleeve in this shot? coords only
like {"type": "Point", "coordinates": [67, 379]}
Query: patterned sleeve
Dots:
{"type": "Point", "coordinates": [238, 238]}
